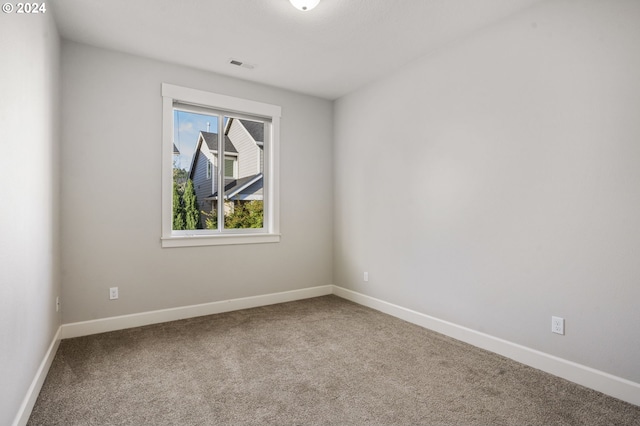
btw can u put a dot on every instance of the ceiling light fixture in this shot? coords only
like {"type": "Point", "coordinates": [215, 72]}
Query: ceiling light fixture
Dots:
{"type": "Point", "coordinates": [304, 5]}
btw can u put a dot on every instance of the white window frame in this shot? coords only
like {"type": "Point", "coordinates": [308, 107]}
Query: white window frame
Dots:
{"type": "Point", "coordinates": [270, 233]}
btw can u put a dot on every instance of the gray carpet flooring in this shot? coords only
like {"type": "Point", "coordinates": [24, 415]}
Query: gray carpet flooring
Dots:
{"type": "Point", "coordinates": [321, 361]}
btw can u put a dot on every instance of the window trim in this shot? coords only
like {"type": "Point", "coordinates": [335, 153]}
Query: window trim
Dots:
{"type": "Point", "coordinates": [270, 233]}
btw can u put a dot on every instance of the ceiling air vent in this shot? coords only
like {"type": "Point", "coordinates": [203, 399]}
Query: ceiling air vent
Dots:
{"type": "Point", "coordinates": [241, 64]}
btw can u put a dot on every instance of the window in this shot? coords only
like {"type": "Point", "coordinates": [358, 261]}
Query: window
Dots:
{"type": "Point", "coordinates": [209, 169]}
{"type": "Point", "coordinates": [220, 169]}
{"type": "Point", "coordinates": [230, 168]}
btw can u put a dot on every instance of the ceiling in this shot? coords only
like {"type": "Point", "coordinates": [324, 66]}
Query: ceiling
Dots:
{"type": "Point", "coordinates": [328, 52]}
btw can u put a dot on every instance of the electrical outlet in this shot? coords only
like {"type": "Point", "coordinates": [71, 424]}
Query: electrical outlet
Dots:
{"type": "Point", "coordinates": [366, 277]}
{"type": "Point", "coordinates": [113, 293]}
{"type": "Point", "coordinates": [557, 325]}
{"type": "Point", "coordinates": [57, 303]}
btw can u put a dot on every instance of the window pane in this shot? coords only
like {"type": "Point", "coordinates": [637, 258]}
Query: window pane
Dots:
{"type": "Point", "coordinates": [244, 182]}
{"type": "Point", "coordinates": [229, 167]}
{"type": "Point", "coordinates": [195, 148]}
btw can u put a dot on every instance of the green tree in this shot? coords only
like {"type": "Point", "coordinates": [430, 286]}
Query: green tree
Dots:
{"type": "Point", "coordinates": [180, 177]}
{"type": "Point", "coordinates": [210, 219]}
{"type": "Point", "coordinates": [191, 211]}
{"type": "Point", "coordinates": [178, 210]}
{"type": "Point", "coordinates": [246, 214]}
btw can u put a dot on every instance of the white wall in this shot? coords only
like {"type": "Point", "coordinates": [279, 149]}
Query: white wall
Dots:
{"type": "Point", "coordinates": [496, 183]}
{"type": "Point", "coordinates": [29, 206]}
{"type": "Point", "coordinates": [112, 111]}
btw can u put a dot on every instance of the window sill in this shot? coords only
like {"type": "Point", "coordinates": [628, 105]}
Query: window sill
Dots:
{"type": "Point", "coordinates": [218, 240]}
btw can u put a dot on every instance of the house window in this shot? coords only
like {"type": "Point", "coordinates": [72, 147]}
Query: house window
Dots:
{"type": "Point", "coordinates": [230, 168]}
{"type": "Point", "coordinates": [220, 169]}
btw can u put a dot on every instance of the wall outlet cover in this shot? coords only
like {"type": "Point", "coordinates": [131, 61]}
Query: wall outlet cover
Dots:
{"type": "Point", "coordinates": [557, 325]}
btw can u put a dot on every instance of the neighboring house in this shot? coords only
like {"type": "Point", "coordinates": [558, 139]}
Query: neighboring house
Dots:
{"type": "Point", "coordinates": [176, 157]}
{"type": "Point", "coordinates": [243, 165]}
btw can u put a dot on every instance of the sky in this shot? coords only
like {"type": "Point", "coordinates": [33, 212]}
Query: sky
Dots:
{"type": "Point", "coordinates": [186, 128]}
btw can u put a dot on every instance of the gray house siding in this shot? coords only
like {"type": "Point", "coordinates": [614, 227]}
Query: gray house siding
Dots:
{"type": "Point", "coordinates": [249, 153]}
{"type": "Point", "coordinates": [261, 159]}
{"type": "Point", "coordinates": [202, 185]}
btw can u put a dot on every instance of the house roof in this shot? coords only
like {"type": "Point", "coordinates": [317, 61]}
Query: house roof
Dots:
{"type": "Point", "coordinates": [255, 129]}
{"type": "Point", "coordinates": [211, 139]}
{"type": "Point", "coordinates": [176, 150]}
{"type": "Point", "coordinates": [211, 142]}
{"type": "Point", "coordinates": [237, 186]}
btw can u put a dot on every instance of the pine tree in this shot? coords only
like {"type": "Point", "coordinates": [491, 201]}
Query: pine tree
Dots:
{"type": "Point", "coordinates": [178, 210]}
{"type": "Point", "coordinates": [191, 211]}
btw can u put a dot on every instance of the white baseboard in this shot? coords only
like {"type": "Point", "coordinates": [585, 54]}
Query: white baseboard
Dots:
{"type": "Point", "coordinates": [103, 325]}
{"type": "Point", "coordinates": [34, 390]}
{"type": "Point", "coordinates": [606, 383]}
